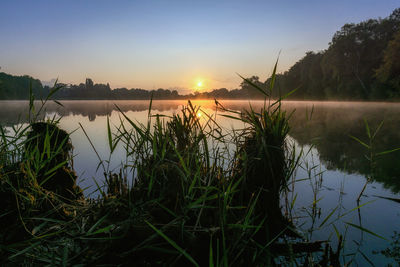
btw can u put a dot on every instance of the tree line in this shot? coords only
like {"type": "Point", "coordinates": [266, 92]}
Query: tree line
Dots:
{"type": "Point", "coordinates": [362, 62]}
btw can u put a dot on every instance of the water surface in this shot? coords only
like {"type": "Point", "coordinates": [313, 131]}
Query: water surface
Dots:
{"type": "Point", "coordinates": [332, 174]}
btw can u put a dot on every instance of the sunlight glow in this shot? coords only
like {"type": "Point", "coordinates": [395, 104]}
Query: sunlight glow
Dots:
{"type": "Point", "coordinates": [200, 84]}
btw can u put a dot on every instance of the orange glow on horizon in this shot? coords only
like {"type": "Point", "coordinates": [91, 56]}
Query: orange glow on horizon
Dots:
{"type": "Point", "coordinates": [199, 84]}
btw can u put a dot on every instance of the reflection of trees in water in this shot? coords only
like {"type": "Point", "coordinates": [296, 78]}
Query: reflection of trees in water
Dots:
{"type": "Point", "coordinates": [329, 128]}
{"type": "Point", "coordinates": [13, 112]}
{"type": "Point", "coordinates": [393, 251]}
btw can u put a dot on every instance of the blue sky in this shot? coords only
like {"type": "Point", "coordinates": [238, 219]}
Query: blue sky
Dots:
{"type": "Point", "coordinates": [169, 44]}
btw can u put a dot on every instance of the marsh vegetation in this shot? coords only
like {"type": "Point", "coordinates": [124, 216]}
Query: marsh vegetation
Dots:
{"type": "Point", "coordinates": [187, 190]}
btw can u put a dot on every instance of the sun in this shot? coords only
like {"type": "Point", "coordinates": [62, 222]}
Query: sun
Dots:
{"type": "Point", "coordinates": [200, 84]}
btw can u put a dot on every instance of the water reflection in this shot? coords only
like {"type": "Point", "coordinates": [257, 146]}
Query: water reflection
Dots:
{"type": "Point", "coordinates": [326, 125]}
{"type": "Point", "coordinates": [331, 126]}
{"type": "Point", "coordinates": [12, 112]}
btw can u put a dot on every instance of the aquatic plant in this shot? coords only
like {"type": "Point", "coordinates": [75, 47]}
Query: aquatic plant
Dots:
{"type": "Point", "coordinates": [188, 192]}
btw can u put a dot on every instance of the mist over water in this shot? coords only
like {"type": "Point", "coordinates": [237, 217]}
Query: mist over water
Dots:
{"type": "Point", "coordinates": [338, 164]}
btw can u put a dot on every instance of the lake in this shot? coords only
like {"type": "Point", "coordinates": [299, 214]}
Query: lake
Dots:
{"type": "Point", "coordinates": [332, 174]}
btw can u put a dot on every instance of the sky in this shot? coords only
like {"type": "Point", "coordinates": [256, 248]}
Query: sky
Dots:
{"type": "Point", "coordinates": [169, 44]}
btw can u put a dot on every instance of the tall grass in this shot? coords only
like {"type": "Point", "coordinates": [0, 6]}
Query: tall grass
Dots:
{"type": "Point", "coordinates": [189, 192]}
{"type": "Point", "coordinates": [35, 176]}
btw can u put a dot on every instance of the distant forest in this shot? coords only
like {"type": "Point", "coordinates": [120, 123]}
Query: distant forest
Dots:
{"type": "Point", "coordinates": [362, 62]}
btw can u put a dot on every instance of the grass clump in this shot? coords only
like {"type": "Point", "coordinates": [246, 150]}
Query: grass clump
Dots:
{"type": "Point", "coordinates": [197, 194]}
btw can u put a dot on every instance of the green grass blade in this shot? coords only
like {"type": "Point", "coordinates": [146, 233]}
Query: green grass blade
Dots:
{"type": "Point", "coordinates": [365, 230]}
{"type": "Point", "coordinates": [109, 136]}
{"type": "Point", "coordinates": [273, 76]}
{"type": "Point", "coordinates": [173, 243]}
{"type": "Point", "coordinates": [388, 151]}
{"type": "Point", "coordinates": [90, 232]}
{"type": "Point", "coordinates": [255, 86]}
{"type": "Point", "coordinates": [377, 129]}
{"type": "Point", "coordinates": [361, 142]}
{"type": "Point", "coordinates": [367, 128]}
{"type": "Point", "coordinates": [327, 217]}
{"type": "Point", "coordinates": [211, 257]}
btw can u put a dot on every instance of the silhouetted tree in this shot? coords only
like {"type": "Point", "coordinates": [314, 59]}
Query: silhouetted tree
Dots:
{"type": "Point", "coordinates": [389, 72]}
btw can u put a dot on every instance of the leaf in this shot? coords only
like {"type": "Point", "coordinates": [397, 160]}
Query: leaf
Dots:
{"type": "Point", "coordinates": [367, 128]}
{"type": "Point", "coordinates": [211, 257]}
{"type": "Point", "coordinates": [109, 135]}
{"type": "Point", "coordinates": [356, 208]}
{"type": "Point", "coordinates": [253, 85]}
{"type": "Point", "coordinates": [232, 117]}
{"type": "Point", "coordinates": [327, 217]}
{"type": "Point", "coordinates": [366, 258]}
{"type": "Point", "coordinates": [173, 243]}
{"type": "Point", "coordinates": [65, 257]}
{"type": "Point", "coordinates": [25, 250]}
{"type": "Point", "coordinates": [293, 201]}
{"type": "Point", "coordinates": [388, 151]}
{"type": "Point", "coordinates": [336, 231]}
{"type": "Point", "coordinates": [365, 230]}
{"type": "Point", "coordinates": [54, 90]}
{"type": "Point", "coordinates": [377, 129]}
{"type": "Point", "coordinates": [151, 104]}
{"type": "Point", "coordinates": [53, 170]}
{"type": "Point", "coordinates": [102, 230]}
{"type": "Point", "coordinates": [90, 232]}
{"type": "Point", "coordinates": [288, 94]}
{"type": "Point", "coordinates": [58, 103]}
{"type": "Point", "coordinates": [361, 142]}
{"type": "Point", "coordinates": [140, 131]}
{"type": "Point", "coordinates": [273, 76]}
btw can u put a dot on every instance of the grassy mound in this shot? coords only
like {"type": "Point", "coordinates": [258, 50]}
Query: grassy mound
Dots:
{"type": "Point", "coordinates": [198, 194]}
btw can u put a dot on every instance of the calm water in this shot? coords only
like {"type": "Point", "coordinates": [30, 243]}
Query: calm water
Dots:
{"type": "Point", "coordinates": [335, 164]}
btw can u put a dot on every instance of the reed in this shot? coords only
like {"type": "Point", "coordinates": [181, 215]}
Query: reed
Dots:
{"type": "Point", "coordinates": [188, 192]}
